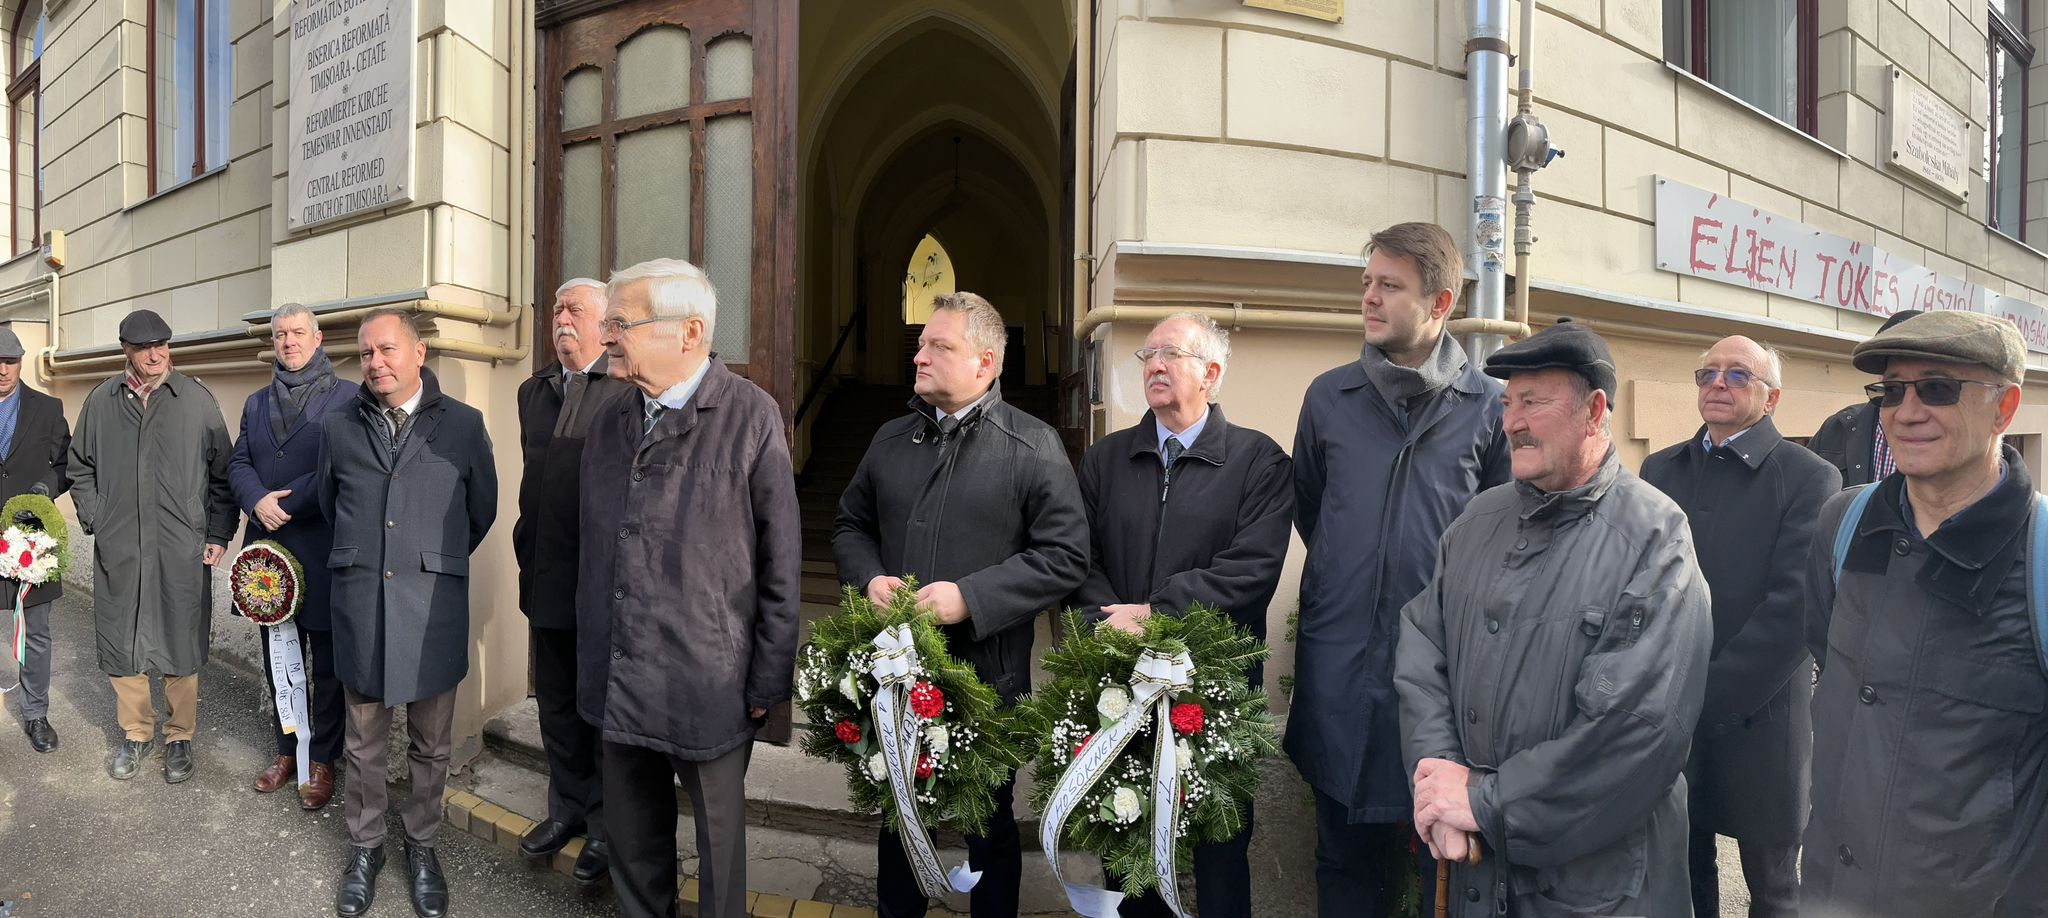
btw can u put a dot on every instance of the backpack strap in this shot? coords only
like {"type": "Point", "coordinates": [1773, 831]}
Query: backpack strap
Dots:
{"type": "Point", "coordinates": [2037, 577]}
{"type": "Point", "coordinates": [1846, 533]}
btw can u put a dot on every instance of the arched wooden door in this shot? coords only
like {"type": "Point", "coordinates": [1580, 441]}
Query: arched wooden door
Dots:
{"type": "Point", "coordinates": [667, 129]}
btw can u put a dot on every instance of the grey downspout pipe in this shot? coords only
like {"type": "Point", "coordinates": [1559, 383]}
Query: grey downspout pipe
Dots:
{"type": "Point", "coordinates": [1486, 103]}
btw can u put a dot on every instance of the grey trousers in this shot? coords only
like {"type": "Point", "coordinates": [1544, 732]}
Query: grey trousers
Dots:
{"type": "Point", "coordinates": [35, 669]}
{"type": "Point", "coordinates": [430, 722]}
{"type": "Point", "coordinates": [640, 818]}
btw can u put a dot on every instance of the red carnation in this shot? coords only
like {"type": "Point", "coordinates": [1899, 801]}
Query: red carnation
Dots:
{"type": "Point", "coordinates": [926, 701]}
{"type": "Point", "coordinates": [847, 731]}
{"type": "Point", "coordinates": [27, 558]}
{"type": "Point", "coordinates": [1083, 744]}
{"type": "Point", "coordinates": [1187, 719]}
{"type": "Point", "coordinates": [924, 767]}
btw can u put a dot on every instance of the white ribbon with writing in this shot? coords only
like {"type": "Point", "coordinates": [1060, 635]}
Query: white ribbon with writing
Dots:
{"type": "Point", "coordinates": [894, 668]}
{"type": "Point", "coordinates": [1155, 681]}
{"type": "Point", "coordinates": [288, 683]}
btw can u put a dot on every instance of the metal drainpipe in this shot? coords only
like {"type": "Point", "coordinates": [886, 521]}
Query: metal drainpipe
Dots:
{"type": "Point", "coordinates": [1486, 102]}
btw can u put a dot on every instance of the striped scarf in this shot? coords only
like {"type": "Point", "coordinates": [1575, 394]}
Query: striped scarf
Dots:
{"type": "Point", "coordinates": [142, 386]}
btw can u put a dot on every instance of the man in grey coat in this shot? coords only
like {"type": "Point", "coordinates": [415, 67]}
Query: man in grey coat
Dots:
{"type": "Point", "coordinates": [149, 479]}
{"type": "Point", "coordinates": [408, 479]}
{"type": "Point", "coordinates": [687, 588]}
{"type": "Point", "coordinates": [1389, 449]}
{"type": "Point", "coordinates": [1751, 498]}
{"type": "Point", "coordinates": [1930, 743]}
{"type": "Point", "coordinates": [1551, 672]}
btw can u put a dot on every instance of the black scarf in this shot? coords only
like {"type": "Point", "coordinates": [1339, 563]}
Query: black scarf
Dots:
{"type": "Point", "coordinates": [1406, 390]}
{"type": "Point", "coordinates": [292, 390]}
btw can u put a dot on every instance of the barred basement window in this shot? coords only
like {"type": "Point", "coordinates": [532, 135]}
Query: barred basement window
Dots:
{"type": "Point", "coordinates": [2005, 138]}
{"type": "Point", "coordinates": [190, 62]}
{"type": "Point", "coordinates": [1760, 51]}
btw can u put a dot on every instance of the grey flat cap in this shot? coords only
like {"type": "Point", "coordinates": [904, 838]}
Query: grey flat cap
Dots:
{"type": "Point", "coordinates": [10, 345]}
{"type": "Point", "coordinates": [1568, 345]}
{"type": "Point", "coordinates": [1957, 337]}
{"type": "Point", "coordinates": [144, 326]}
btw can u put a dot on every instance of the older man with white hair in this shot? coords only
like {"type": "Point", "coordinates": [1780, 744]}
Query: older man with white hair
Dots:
{"type": "Point", "coordinates": [555, 408]}
{"type": "Point", "coordinates": [1184, 508]}
{"type": "Point", "coordinates": [687, 592]}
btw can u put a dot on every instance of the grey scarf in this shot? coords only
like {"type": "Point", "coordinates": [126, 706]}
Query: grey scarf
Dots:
{"type": "Point", "coordinates": [290, 391]}
{"type": "Point", "coordinates": [1408, 390]}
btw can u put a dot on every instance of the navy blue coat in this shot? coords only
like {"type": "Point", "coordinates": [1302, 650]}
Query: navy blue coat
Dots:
{"type": "Point", "coordinates": [1371, 498]}
{"type": "Point", "coordinates": [261, 465]}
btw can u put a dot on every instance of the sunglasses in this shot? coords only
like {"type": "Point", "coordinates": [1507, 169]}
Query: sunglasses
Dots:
{"type": "Point", "coordinates": [1737, 377]}
{"type": "Point", "coordinates": [1933, 391]}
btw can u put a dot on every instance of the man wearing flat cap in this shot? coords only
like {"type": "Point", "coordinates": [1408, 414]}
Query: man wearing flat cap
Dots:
{"type": "Point", "coordinates": [149, 478]}
{"type": "Point", "coordinates": [1930, 747]}
{"type": "Point", "coordinates": [1551, 672]}
{"type": "Point", "coordinates": [33, 442]}
{"type": "Point", "coordinates": [1852, 440]}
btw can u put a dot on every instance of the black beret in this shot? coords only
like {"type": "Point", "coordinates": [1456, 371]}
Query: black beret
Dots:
{"type": "Point", "coordinates": [144, 326]}
{"type": "Point", "coordinates": [1568, 345]}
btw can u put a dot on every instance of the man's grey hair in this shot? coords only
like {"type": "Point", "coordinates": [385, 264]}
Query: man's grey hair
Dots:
{"type": "Point", "coordinates": [1209, 341]}
{"type": "Point", "coordinates": [293, 311]}
{"type": "Point", "coordinates": [1773, 370]}
{"type": "Point", "coordinates": [1583, 388]}
{"type": "Point", "coordinates": [575, 282]}
{"type": "Point", "coordinates": [985, 331]}
{"type": "Point", "coordinates": [675, 288]}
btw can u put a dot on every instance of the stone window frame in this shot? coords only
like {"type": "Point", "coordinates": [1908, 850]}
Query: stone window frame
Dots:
{"type": "Point", "coordinates": [203, 120]}
{"type": "Point", "coordinates": [24, 87]}
{"type": "Point", "coordinates": [1805, 67]}
{"type": "Point", "coordinates": [2001, 33]}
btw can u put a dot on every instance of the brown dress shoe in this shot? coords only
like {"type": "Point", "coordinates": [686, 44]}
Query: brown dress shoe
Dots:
{"type": "Point", "coordinates": [279, 774]}
{"type": "Point", "coordinates": [319, 787]}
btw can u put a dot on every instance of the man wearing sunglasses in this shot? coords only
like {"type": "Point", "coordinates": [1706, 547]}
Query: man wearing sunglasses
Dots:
{"type": "Point", "coordinates": [1930, 749]}
{"type": "Point", "coordinates": [1851, 440]}
{"type": "Point", "coordinates": [1751, 499]}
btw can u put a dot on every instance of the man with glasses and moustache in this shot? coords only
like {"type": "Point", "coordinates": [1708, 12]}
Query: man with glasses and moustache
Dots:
{"type": "Point", "coordinates": [1930, 747]}
{"type": "Point", "coordinates": [1751, 499]}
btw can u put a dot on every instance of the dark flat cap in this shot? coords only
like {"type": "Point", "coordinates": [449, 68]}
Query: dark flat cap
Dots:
{"type": "Point", "coordinates": [1568, 345]}
{"type": "Point", "coordinates": [1956, 337]}
{"type": "Point", "coordinates": [10, 344]}
{"type": "Point", "coordinates": [144, 326]}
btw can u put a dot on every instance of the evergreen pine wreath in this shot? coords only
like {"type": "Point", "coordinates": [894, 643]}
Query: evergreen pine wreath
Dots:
{"type": "Point", "coordinates": [1219, 748]}
{"type": "Point", "coordinates": [966, 751]}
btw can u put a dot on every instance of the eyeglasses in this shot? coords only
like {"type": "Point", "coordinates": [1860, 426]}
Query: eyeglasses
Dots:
{"type": "Point", "coordinates": [1933, 391]}
{"type": "Point", "coordinates": [1169, 352]}
{"type": "Point", "coordinates": [618, 327]}
{"type": "Point", "coordinates": [1736, 377]}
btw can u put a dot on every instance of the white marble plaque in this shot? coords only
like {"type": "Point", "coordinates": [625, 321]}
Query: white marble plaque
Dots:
{"type": "Point", "coordinates": [351, 112]}
{"type": "Point", "coordinates": [1929, 138]}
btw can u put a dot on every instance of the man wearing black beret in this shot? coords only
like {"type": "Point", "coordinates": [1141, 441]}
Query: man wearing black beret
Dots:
{"type": "Point", "coordinates": [1551, 672]}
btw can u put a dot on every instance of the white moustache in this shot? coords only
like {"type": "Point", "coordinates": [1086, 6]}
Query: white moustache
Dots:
{"type": "Point", "coordinates": [1158, 378]}
{"type": "Point", "coordinates": [567, 331]}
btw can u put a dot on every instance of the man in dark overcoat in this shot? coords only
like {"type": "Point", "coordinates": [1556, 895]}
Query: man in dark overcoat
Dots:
{"type": "Point", "coordinates": [1389, 449]}
{"type": "Point", "coordinates": [272, 471]}
{"type": "Point", "coordinates": [976, 500]}
{"type": "Point", "coordinates": [555, 408]}
{"type": "Point", "coordinates": [1751, 499]}
{"type": "Point", "coordinates": [1852, 440]}
{"type": "Point", "coordinates": [149, 479]}
{"type": "Point", "coordinates": [1187, 508]}
{"type": "Point", "coordinates": [34, 441]}
{"type": "Point", "coordinates": [407, 477]}
{"type": "Point", "coordinates": [687, 597]}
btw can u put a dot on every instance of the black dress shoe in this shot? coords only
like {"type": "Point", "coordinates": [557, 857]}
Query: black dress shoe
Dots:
{"type": "Point", "coordinates": [595, 861]}
{"type": "Point", "coordinates": [177, 761]}
{"type": "Point", "coordinates": [41, 735]}
{"type": "Point", "coordinates": [128, 758]}
{"type": "Point", "coordinates": [429, 888]}
{"type": "Point", "coordinates": [359, 882]}
{"type": "Point", "coordinates": [547, 838]}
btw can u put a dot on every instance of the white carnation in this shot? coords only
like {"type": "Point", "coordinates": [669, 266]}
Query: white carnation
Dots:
{"type": "Point", "coordinates": [850, 687]}
{"type": "Point", "coordinates": [937, 739]}
{"type": "Point", "coordinates": [1183, 754]}
{"type": "Point", "coordinates": [878, 769]}
{"type": "Point", "coordinates": [1124, 803]}
{"type": "Point", "coordinates": [1112, 704]}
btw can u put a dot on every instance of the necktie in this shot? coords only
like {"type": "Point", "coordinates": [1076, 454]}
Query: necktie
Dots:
{"type": "Point", "coordinates": [947, 425]}
{"type": "Point", "coordinates": [654, 410]}
{"type": "Point", "coordinates": [397, 416]}
{"type": "Point", "coordinates": [1173, 449]}
{"type": "Point", "coordinates": [568, 420]}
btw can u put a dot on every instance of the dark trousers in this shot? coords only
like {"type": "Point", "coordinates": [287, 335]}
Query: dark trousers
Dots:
{"type": "Point", "coordinates": [1223, 881]}
{"type": "Point", "coordinates": [999, 855]}
{"type": "Point", "coordinates": [1362, 867]}
{"type": "Point", "coordinates": [642, 784]}
{"type": "Point", "coordinates": [35, 665]}
{"type": "Point", "coordinates": [326, 705]}
{"type": "Point", "coordinates": [575, 786]}
{"type": "Point", "coordinates": [430, 729]}
{"type": "Point", "coordinates": [1771, 872]}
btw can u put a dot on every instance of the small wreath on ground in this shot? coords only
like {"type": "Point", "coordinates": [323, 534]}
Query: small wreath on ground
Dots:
{"type": "Point", "coordinates": [266, 584]}
{"type": "Point", "coordinates": [1221, 728]}
{"type": "Point", "coordinates": [961, 745]}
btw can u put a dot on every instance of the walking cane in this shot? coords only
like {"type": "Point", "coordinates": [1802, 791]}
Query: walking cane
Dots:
{"type": "Point", "coordinates": [1443, 876]}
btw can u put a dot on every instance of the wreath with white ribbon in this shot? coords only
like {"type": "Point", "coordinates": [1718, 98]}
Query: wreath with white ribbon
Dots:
{"type": "Point", "coordinates": [267, 586]}
{"type": "Point", "coordinates": [32, 552]}
{"type": "Point", "coordinates": [1148, 745]}
{"type": "Point", "coordinates": [922, 737]}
